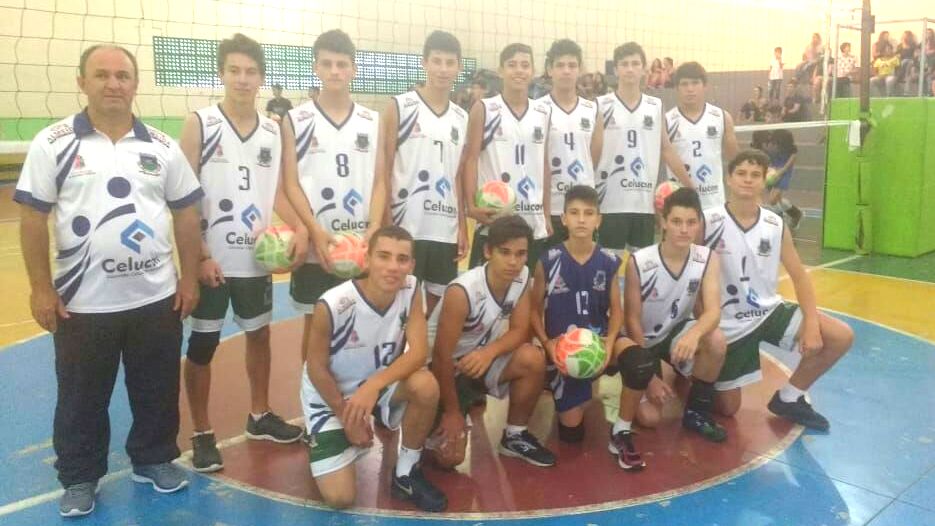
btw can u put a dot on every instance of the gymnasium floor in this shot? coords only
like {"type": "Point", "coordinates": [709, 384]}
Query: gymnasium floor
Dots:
{"type": "Point", "coordinates": [875, 467]}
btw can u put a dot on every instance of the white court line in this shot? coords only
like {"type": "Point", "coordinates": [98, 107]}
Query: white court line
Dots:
{"type": "Point", "coordinates": [36, 500]}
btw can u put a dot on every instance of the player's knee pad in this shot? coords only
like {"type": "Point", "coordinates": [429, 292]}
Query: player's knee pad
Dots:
{"type": "Point", "coordinates": [571, 434]}
{"type": "Point", "coordinates": [201, 347]}
{"type": "Point", "coordinates": [637, 366]}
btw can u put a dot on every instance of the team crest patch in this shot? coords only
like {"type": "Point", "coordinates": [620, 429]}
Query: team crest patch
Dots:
{"type": "Point", "coordinates": [149, 164]}
{"type": "Point", "coordinates": [403, 318]}
{"type": "Point", "coordinates": [648, 122]}
{"type": "Point", "coordinates": [507, 309]}
{"type": "Point", "coordinates": [764, 247]}
{"type": "Point", "coordinates": [363, 142]}
{"type": "Point", "coordinates": [345, 303]}
{"type": "Point", "coordinates": [712, 131]}
{"type": "Point", "coordinates": [599, 283]}
{"type": "Point", "coordinates": [537, 134]}
{"type": "Point", "coordinates": [585, 124]}
{"type": "Point", "coordinates": [265, 157]}
{"type": "Point", "coordinates": [455, 135]}
{"type": "Point", "coordinates": [697, 256]}
{"type": "Point", "coordinates": [693, 285]}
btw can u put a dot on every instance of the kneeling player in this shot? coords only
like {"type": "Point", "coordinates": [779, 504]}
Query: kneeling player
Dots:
{"type": "Point", "coordinates": [482, 345]}
{"type": "Point", "coordinates": [356, 367]}
{"type": "Point", "coordinates": [576, 285]}
{"type": "Point", "coordinates": [752, 242]}
{"type": "Point", "coordinates": [663, 283]}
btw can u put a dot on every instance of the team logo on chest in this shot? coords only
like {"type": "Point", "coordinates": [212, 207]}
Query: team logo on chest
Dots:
{"type": "Point", "coordinates": [455, 135]}
{"type": "Point", "coordinates": [599, 284]}
{"type": "Point", "coordinates": [265, 158]}
{"type": "Point", "coordinates": [585, 124]}
{"type": "Point", "coordinates": [149, 164]}
{"type": "Point", "coordinates": [712, 131]}
{"type": "Point", "coordinates": [693, 285]}
{"type": "Point", "coordinates": [648, 122]}
{"type": "Point", "coordinates": [764, 247]}
{"type": "Point", "coordinates": [537, 134]}
{"type": "Point", "coordinates": [363, 142]}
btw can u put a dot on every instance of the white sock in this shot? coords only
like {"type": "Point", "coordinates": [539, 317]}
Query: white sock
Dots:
{"type": "Point", "coordinates": [621, 425]}
{"type": "Point", "coordinates": [257, 417]}
{"type": "Point", "coordinates": [406, 460]}
{"type": "Point", "coordinates": [790, 393]}
{"type": "Point", "coordinates": [512, 430]}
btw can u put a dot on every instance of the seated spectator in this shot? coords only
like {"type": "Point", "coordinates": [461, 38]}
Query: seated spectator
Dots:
{"type": "Point", "coordinates": [668, 69]}
{"type": "Point", "coordinates": [884, 72]}
{"type": "Point", "coordinates": [774, 113]}
{"type": "Point", "coordinates": [478, 91]}
{"type": "Point", "coordinates": [794, 107]}
{"type": "Point", "coordinates": [845, 71]}
{"type": "Point", "coordinates": [810, 59]}
{"type": "Point", "coordinates": [600, 84]}
{"type": "Point", "coordinates": [930, 59]}
{"type": "Point", "coordinates": [586, 86]}
{"type": "Point", "coordinates": [656, 78]}
{"type": "Point", "coordinates": [754, 110]}
{"type": "Point", "coordinates": [908, 53]}
{"type": "Point", "coordinates": [877, 49]}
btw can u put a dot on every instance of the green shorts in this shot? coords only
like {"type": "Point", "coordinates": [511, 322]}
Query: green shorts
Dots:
{"type": "Point", "coordinates": [251, 298]}
{"type": "Point", "coordinates": [435, 264]}
{"type": "Point", "coordinates": [477, 252]}
{"type": "Point", "coordinates": [308, 283]}
{"type": "Point", "coordinates": [663, 349]}
{"type": "Point", "coordinates": [619, 231]}
{"type": "Point", "coordinates": [742, 365]}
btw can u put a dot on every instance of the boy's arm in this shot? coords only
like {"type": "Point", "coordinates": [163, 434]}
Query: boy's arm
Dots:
{"type": "Point", "coordinates": [547, 181]}
{"type": "Point", "coordinates": [482, 215]}
{"type": "Point", "coordinates": [671, 157]}
{"type": "Point", "coordinates": [476, 363]}
{"type": "Point", "coordinates": [380, 188]}
{"type": "Point", "coordinates": [810, 335]}
{"type": "Point", "coordinates": [389, 132]}
{"type": "Point", "coordinates": [537, 317]}
{"type": "Point", "coordinates": [786, 166]}
{"type": "Point", "coordinates": [454, 310]}
{"type": "Point", "coordinates": [597, 138]}
{"type": "Point", "coordinates": [317, 360]}
{"type": "Point", "coordinates": [615, 320]}
{"type": "Point", "coordinates": [730, 146]}
{"type": "Point", "coordinates": [633, 304]}
{"type": "Point", "coordinates": [710, 316]}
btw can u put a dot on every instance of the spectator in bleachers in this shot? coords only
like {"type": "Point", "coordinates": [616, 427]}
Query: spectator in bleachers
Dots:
{"type": "Point", "coordinates": [478, 90]}
{"type": "Point", "coordinates": [586, 86]}
{"type": "Point", "coordinates": [877, 49]}
{"type": "Point", "coordinates": [794, 106]}
{"type": "Point", "coordinates": [277, 107]}
{"type": "Point", "coordinates": [930, 59]}
{"type": "Point", "coordinates": [908, 53]}
{"type": "Point", "coordinates": [810, 59]}
{"type": "Point", "coordinates": [754, 110]}
{"type": "Point", "coordinates": [656, 78]}
{"type": "Point", "coordinates": [600, 84]}
{"type": "Point", "coordinates": [774, 113]}
{"type": "Point", "coordinates": [884, 72]}
{"type": "Point", "coordinates": [313, 92]}
{"type": "Point", "coordinates": [845, 71]}
{"type": "Point", "coordinates": [775, 75]}
{"type": "Point", "coordinates": [668, 67]}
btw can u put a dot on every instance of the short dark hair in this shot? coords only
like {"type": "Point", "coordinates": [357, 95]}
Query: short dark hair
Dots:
{"type": "Point", "coordinates": [512, 49]}
{"type": "Point", "coordinates": [245, 45]}
{"type": "Point", "coordinates": [277, 86]}
{"type": "Point", "coordinates": [441, 41]}
{"type": "Point", "coordinates": [752, 156]}
{"type": "Point", "coordinates": [479, 82]}
{"type": "Point", "coordinates": [844, 45]}
{"type": "Point", "coordinates": [335, 41]}
{"type": "Point", "coordinates": [630, 48]}
{"type": "Point", "coordinates": [777, 48]}
{"type": "Point", "coordinates": [561, 48]}
{"type": "Point", "coordinates": [86, 54]}
{"type": "Point", "coordinates": [389, 231]}
{"type": "Point", "coordinates": [506, 229]}
{"type": "Point", "coordinates": [690, 70]}
{"type": "Point", "coordinates": [583, 193]}
{"type": "Point", "coordinates": [684, 197]}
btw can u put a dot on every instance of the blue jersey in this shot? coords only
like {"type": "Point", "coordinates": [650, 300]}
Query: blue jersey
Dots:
{"type": "Point", "coordinates": [575, 294]}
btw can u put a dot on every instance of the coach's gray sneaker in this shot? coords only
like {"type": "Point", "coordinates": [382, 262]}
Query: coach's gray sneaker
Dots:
{"type": "Point", "coordinates": [78, 499]}
{"type": "Point", "coordinates": [165, 477]}
{"type": "Point", "coordinates": [271, 427]}
{"type": "Point", "coordinates": [205, 455]}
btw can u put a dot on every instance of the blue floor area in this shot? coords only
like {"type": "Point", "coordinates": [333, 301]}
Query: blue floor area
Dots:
{"type": "Point", "coordinates": [876, 467]}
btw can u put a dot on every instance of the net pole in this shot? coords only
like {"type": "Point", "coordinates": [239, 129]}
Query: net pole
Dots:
{"type": "Point", "coordinates": [834, 78]}
{"type": "Point", "coordinates": [863, 244]}
{"type": "Point", "coordinates": [826, 59]}
{"type": "Point", "coordinates": [925, 22]}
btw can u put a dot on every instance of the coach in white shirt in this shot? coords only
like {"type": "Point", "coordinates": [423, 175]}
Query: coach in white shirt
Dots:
{"type": "Point", "coordinates": [111, 182]}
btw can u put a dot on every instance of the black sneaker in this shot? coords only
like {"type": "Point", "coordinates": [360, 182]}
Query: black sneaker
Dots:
{"type": "Point", "coordinates": [800, 412]}
{"type": "Point", "coordinates": [78, 499]}
{"type": "Point", "coordinates": [205, 455]}
{"type": "Point", "coordinates": [628, 458]}
{"type": "Point", "coordinates": [525, 446]}
{"type": "Point", "coordinates": [271, 427]}
{"type": "Point", "coordinates": [415, 488]}
{"type": "Point", "coordinates": [704, 425]}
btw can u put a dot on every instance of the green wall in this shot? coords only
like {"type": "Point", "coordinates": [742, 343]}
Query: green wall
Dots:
{"type": "Point", "coordinates": [898, 184]}
{"type": "Point", "coordinates": [15, 129]}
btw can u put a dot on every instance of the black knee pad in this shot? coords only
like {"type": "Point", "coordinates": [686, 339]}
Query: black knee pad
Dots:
{"type": "Point", "coordinates": [571, 434]}
{"type": "Point", "coordinates": [201, 346]}
{"type": "Point", "coordinates": [637, 366]}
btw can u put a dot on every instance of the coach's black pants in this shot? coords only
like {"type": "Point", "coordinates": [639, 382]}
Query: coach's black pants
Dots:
{"type": "Point", "coordinates": [88, 350]}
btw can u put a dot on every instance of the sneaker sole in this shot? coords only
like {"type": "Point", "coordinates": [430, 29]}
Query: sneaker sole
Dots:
{"type": "Point", "coordinates": [146, 480]}
{"type": "Point", "coordinates": [209, 469]}
{"type": "Point", "coordinates": [76, 513]}
{"type": "Point", "coordinates": [510, 453]}
{"type": "Point", "coordinates": [823, 429]}
{"type": "Point", "coordinates": [626, 467]}
{"type": "Point", "coordinates": [271, 438]}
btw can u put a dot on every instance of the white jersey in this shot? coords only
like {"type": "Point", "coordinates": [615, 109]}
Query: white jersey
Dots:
{"type": "Point", "coordinates": [570, 159]}
{"type": "Point", "coordinates": [424, 198]}
{"type": "Point", "coordinates": [336, 166]}
{"type": "Point", "coordinates": [111, 206]}
{"type": "Point", "coordinates": [749, 268]}
{"type": "Point", "coordinates": [699, 145]}
{"type": "Point", "coordinates": [363, 340]}
{"type": "Point", "coordinates": [239, 176]}
{"type": "Point", "coordinates": [487, 318]}
{"type": "Point", "coordinates": [629, 165]}
{"type": "Point", "coordinates": [668, 299]}
{"type": "Point", "coordinates": [513, 151]}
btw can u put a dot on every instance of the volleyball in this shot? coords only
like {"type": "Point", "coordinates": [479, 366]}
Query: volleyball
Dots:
{"type": "Point", "coordinates": [347, 255]}
{"type": "Point", "coordinates": [664, 190]}
{"type": "Point", "coordinates": [497, 195]}
{"type": "Point", "coordinates": [580, 353]}
{"type": "Point", "coordinates": [271, 249]}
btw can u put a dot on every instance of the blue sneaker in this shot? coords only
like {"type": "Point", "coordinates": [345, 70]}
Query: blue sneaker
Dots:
{"type": "Point", "coordinates": [165, 477]}
{"type": "Point", "coordinates": [78, 499]}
